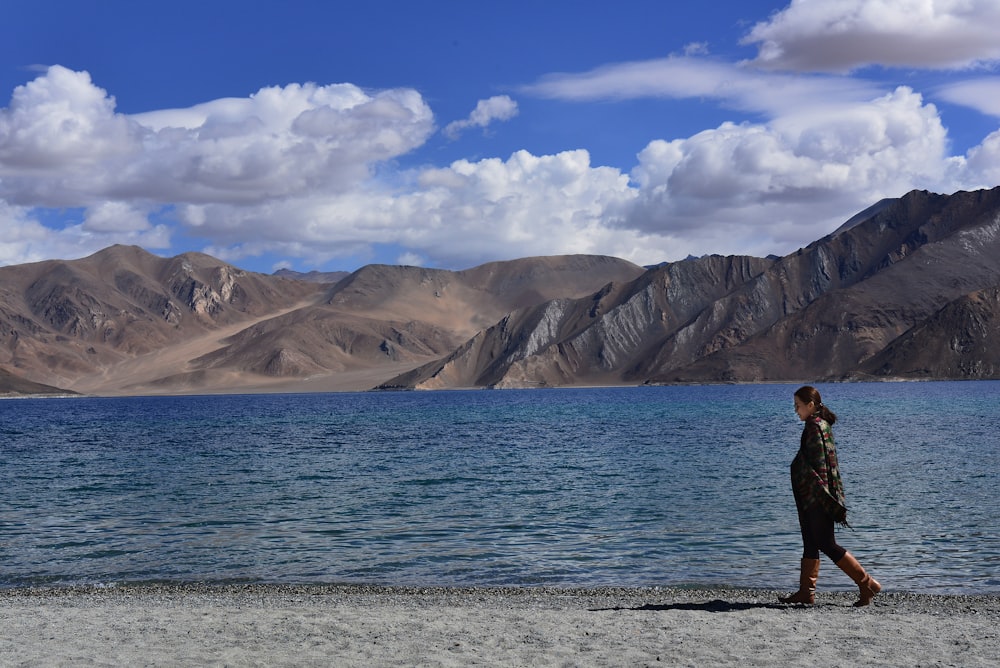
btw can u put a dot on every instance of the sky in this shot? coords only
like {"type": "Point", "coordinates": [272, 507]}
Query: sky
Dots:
{"type": "Point", "coordinates": [326, 135]}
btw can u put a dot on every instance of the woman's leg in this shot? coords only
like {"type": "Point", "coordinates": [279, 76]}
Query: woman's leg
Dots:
{"type": "Point", "coordinates": [810, 548]}
{"type": "Point", "coordinates": [809, 568]}
{"type": "Point", "coordinates": [818, 526]}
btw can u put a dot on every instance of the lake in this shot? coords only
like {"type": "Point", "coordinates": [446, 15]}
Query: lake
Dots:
{"type": "Point", "coordinates": [642, 486]}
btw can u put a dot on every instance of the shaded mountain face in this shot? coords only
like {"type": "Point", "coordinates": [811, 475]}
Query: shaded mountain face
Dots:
{"type": "Point", "coordinates": [819, 313]}
{"type": "Point", "coordinates": [906, 289]}
{"type": "Point", "coordinates": [12, 386]}
{"type": "Point", "coordinates": [852, 294]}
{"type": "Point", "coordinates": [959, 342]}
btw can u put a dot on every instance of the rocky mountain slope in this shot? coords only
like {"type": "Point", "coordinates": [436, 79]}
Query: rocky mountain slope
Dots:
{"type": "Point", "coordinates": [959, 341]}
{"type": "Point", "coordinates": [909, 288]}
{"type": "Point", "coordinates": [822, 312]}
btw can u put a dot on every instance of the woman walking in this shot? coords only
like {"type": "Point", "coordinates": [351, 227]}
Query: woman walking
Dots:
{"type": "Point", "coordinates": [819, 498]}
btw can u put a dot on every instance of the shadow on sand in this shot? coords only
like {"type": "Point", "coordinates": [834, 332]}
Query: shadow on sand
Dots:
{"type": "Point", "coordinates": [716, 605]}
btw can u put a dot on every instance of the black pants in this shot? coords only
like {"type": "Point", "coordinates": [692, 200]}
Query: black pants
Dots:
{"type": "Point", "coordinates": [817, 535]}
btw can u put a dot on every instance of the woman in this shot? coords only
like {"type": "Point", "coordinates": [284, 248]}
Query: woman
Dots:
{"type": "Point", "coordinates": [819, 498]}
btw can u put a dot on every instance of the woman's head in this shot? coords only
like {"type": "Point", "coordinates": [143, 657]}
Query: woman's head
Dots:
{"type": "Point", "coordinates": [808, 403]}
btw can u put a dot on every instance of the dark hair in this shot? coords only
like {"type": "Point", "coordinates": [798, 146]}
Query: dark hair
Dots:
{"type": "Point", "coordinates": [808, 394]}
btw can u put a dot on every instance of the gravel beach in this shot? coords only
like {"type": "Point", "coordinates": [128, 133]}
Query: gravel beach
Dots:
{"type": "Point", "coordinates": [277, 625]}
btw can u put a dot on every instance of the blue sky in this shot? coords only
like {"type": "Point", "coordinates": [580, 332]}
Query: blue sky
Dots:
{"type": "Point", "coordinates": [329, 135]}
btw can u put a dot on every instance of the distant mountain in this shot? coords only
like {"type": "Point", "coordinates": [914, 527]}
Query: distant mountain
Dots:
{"type": "Point", "coordinates": [593, 339]}
{"type": "Point", "coordinates": [125, 321]}
{"type": "Point", "coordinates": [81, 325]}
{"type": "Point", "coordinates": [385, 317]}
{"type": "Point", "coordinates": [908, 289]}
{"type": "Point", "coordinates": [312, 276]}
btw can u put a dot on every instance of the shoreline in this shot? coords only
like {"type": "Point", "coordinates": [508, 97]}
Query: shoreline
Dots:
{"type": "Point", "coordinates": [314, 386]}
{"type": "Point", "coordinates": [271, 624]}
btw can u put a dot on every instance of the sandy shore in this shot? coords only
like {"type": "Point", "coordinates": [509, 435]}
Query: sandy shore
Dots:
{"type": "Point", "coordinates": [365, 626]}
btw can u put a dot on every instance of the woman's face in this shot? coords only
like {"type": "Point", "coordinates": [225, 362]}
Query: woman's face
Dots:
{"type": "Point", "coordinates": [804, 410]}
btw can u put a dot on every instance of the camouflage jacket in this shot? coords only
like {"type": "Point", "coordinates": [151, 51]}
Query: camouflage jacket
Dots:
{"type": "Point", "coordinates": [815, 475]}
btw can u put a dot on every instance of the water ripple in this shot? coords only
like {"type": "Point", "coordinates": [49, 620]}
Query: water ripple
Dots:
{"type": "Point", "coordinates": [628, 486]}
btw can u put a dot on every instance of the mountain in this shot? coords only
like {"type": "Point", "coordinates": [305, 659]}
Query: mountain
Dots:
{"type": "Point", "coordinates": [12, 386]}
{"type": "Point", "coordinates": [590, 340]}
{"type": "Point", "coordinates": [313, 276]}
{"type": "Point", "coordinates": [124, 321]}
{"type": "Point", "coordinates": [907, 289]}
{"type": "Point", "coordinates": [958, 342]}
{"type": "Point", "coordinates": [819, 313]}
{"type": "Point", "coordinates": [383, 318]}
{"type": "Point", "coordinates": [81, 325]}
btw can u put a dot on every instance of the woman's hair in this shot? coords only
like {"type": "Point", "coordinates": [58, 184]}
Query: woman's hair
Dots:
{"type": "Point", "coordinates": [807, 394]}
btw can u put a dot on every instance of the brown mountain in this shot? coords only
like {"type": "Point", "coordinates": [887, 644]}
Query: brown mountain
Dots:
{"type": "Point", "coordinates": [821, 312]}
{"type": "Point", "coordinates": [85, 325]}
{"type": "Point", "coordinates": [126, 321]}
{"type": "Point", "coordinates": [12, 386]}
{"type": "Point", "coordinates": [313, 276]}
{"type": "Point", "coordinates": [590, 340]}
{"type": "Point", "coordinates": [855, 292]}
{"type": "Point", "coordinates": [958, 342]}
{"type": "Point", "coordinates": [906, 289]}
{"type": "Point", "coordinates": [384, 319]}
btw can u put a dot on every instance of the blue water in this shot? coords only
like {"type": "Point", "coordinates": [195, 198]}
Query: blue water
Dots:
{"type": "Point", "coordinates": [572, 487]}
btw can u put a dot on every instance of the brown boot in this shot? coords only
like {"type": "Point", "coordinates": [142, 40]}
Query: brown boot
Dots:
{"type": "Point", "coordinates": [807, 584]}
{"type": "Point", "coordinates": [867, 585]}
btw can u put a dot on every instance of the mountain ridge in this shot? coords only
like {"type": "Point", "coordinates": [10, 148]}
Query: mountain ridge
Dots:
{"type": "Point", "coordinates": [903, 277]}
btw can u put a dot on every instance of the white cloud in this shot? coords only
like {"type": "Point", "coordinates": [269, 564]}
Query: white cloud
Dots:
{"type": "Point", "coordinates": [496, 108]}
{"type": "Point", "coordinates": [23, 239]}
{"type": "Point", "coordinates": [296, 170]}
{"type": "Point", "coordinates": [115, 217]}
{"type": "Point", "coordinates": [696, 49]}
{"type": "Point", "coordinates": [464, 214]}
{"type": "Point", "coordinates": [62, 121]}
{"type": "Point", "coordinates": [981, 169]}
{"type": "Point", "coordinates": [686, 78]}
{"type": "Point", "coordinates": [63, 144]}
{"type": "Point", "coordinates": [526, 205]}
{"type": "Point", "coordinates": [26, 239]}
{"type": "Point", "coordinates": [760, 187]}
{"type": "Point", "coordinates": [981, 94]}
{"type": "Point", "coordinates": [825, 36]}
{"type": "Point", "coordinates": [411, 260]}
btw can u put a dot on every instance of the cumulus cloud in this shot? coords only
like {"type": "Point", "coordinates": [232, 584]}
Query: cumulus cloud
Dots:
{"type": "Point", "coordinates": [463, 214]}
{"type": "Point", "coordinates": [61, 120]}
{"type": "Point", "coordinates": [115, 217]}
{"type": "Point", "coordinates": [496, 108]}
{"type": "Point", "coordinates": [824, 36]}
{"type": "Point", "coordinates": [527, 205]}
{"type": "Point", "coordinates": [23, 239]}
{"type": "Point", "coordinates": [981, 168]}
{"type": "Point", "coordinates": [26, 239]}
{"type": "Point", "coordinates": [309, 172]}
{"type": "Point", "coordinates": [63, 144]}
{"type": "Point", "coordinates": [759, 186]}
